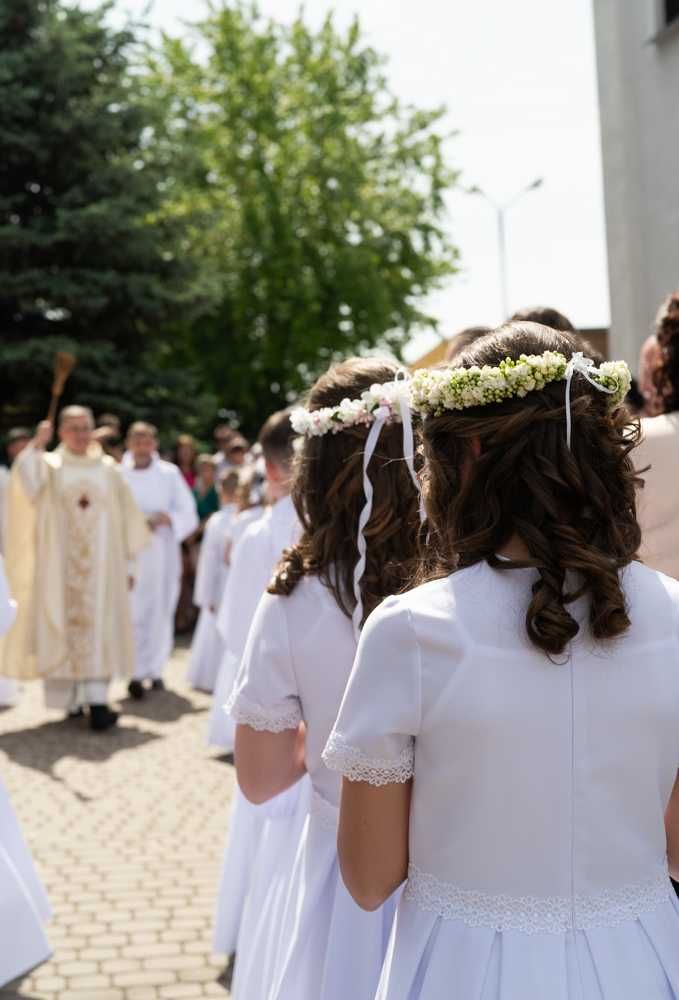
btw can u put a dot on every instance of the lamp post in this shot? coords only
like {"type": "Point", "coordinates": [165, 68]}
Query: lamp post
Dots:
{"type": "Point", "coordinates": [500, 211]}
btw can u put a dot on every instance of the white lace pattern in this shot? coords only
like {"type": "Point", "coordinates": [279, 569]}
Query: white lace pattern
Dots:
{"type": "Point", "coordinates": [535, 914]}
{"type": "Point", "coordinates": [358, 766]}
{"type": "Point", "coordinates": [271, 720]}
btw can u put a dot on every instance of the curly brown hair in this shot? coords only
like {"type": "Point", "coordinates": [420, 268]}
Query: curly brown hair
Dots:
{"type": "Point", "coordinates": [328, 496]}
{"type": "Point", "coordinates": [666, 372]}
{"type": "Point", "coordinates": [504, 470]}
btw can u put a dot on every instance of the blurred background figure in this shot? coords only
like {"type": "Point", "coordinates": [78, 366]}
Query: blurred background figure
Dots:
{"type": "Point", "coordinates": [108, 432]}
{"type": "Point", "coordinates": [164, 497]}
{"type": "Point", "coordinates": [184, 457]}
{"type": "Point", "coordinates": [461, 340]}
{"type": "Point", "coordinates": [650, 360]}
{"type": "Point", "coordinates": [205, 489]}
{"type": "Point", "coordinates": [211, 574]}
{"type": "Point", "coordinates": [657, 458]}
{"type": "Point", "coordinates": [546, 315]}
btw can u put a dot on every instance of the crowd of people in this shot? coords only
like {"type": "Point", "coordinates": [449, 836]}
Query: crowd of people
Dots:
{"type": "Point", "coordinates": [440, 617]}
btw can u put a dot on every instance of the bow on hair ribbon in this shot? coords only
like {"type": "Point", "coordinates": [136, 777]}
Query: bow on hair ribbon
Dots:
{"type": "Point", "coordinates": [585, 367]}
{"type": "Point", "coordinates": [381, 415]}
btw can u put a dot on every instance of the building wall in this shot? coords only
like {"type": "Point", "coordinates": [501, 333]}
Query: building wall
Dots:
{"type": "Point", "coordinates": [638, 73]}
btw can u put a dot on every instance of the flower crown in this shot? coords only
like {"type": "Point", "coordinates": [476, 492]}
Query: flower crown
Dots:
{"type": "Point", "coordinates": [435, 391]}
{"type": "Point", "coordinates": [383, 401]}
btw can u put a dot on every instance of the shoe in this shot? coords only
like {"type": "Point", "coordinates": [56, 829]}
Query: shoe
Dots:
{"type": "Point", "coordinates": [102, 717]}
{"type": "Point", "coordinates": [136, 690]}
{"type": "Point", "coordinates": [158, 684]}
{"type": "Point", "coordinates": [76, 713]}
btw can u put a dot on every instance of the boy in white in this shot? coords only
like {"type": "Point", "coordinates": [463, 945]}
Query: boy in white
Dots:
{"type": "Point", "coordinates": [211, 576]}
{"type": "Point", "coordinates": [508, 737]}
{"type": "Point", "coordinates": [312, 939]}
{"type": "Point", "coordinates": [24, 908]}
{"type": "Point", "coordinates": [162, 494]}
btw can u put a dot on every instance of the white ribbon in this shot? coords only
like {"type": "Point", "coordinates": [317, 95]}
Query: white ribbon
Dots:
{"type": "Point", "coordinates": [585, 366]}
{"type": "Point", "coordinates": [381, 417]}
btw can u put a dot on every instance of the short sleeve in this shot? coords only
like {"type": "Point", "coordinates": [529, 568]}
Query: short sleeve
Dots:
{"type": "Point", "coordinates": [265, 695]}
{"type": "Point", "coordinates": [373, 738]}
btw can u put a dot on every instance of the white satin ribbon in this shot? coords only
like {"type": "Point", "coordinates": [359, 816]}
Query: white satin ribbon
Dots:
{"type": "Point", "coordinates": [585, 366]}
{"type": "Point", "coordinates": [381, 417]}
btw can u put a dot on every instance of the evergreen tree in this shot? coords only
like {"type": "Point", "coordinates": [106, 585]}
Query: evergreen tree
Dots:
{"type": "Point", "coordinates": [86, 251]}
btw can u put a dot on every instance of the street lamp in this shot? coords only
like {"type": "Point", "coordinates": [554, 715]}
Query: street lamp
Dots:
{"type": "Point", "coordinates": [500, 210]}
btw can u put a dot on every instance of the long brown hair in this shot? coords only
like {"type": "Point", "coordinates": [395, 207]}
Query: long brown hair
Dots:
{"type": "Point", "coordinates": [503, 470]}
{"type": "Point", "coordinates": [328, 496]}
{"type": "Point", "coordinates": [666, 372]}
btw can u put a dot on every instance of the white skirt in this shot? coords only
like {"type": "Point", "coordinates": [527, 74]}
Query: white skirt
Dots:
{"type": "Point", "coordinates": [258, 944]}
{"type": "Point", "coordinates": [24, 908]}
{"type": "Point", "coordinates": [330, 948]}
{"type": "Point", "coordinates": [207, 649]}
{"type": "Point", "coordinates": [221, 727]}
{"type": "Point", "coordinates": [434, 958]}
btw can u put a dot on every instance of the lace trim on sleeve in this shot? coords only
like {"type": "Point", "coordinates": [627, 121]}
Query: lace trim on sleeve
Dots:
{"type": "Point", "coordinates": [271, 720]}
{"type": "Point", "coordinates": [358, 766]}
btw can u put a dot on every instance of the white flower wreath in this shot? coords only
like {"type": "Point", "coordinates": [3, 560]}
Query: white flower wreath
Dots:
{"type": "Point", "coordinates": [435, 391]}
{"type": "Point", "coordinates": [379, 401]}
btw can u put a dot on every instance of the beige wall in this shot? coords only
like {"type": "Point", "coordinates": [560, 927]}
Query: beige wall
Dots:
{"type": "Point", "coordinates": [638, 72]}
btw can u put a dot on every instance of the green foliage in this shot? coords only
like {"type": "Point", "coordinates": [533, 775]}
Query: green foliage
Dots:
{"type": "Point", "coordinates": [172, 399]}
{"type": "Point", "coordinates": [204, 227]}
{"type": "Point", "coordinates": [320, 197]}
{"type": "Point", "coordinates": [86, 251]}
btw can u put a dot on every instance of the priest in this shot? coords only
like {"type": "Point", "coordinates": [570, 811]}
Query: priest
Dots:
{"type": "Point", "coordinates": [162, 494]}
{"type": "Point", "coordinates": [74, 530]}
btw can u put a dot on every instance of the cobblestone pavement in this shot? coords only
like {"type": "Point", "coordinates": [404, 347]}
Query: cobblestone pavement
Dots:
{"type": "Point", "coordinates": [127, 829]}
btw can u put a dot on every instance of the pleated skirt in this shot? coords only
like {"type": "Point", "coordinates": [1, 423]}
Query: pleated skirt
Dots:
{"type": "Point", "coordinates": [433, 958]}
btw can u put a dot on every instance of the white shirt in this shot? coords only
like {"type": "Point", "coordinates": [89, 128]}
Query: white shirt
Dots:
{"type": "Point", "coordinates": [539, 788]}
{"type": "Point", "coordinates": [296, 665]}
{"type": "Point", "coordinates": [160, 487]}
{"type": "Point", "coordinates": [253, 561]}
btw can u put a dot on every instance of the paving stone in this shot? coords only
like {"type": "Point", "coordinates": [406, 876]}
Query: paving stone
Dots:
{"type": "Point", "coordinates": [127, 831]}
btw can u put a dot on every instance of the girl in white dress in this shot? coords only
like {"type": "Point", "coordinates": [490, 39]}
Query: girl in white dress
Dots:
{"type": "Point", "coordinates": [207, 646]}
{"type": "Point", "coordinates": [313, 940]}
{"type": "Point", "coordinates": [24, 908]}
{"type": "Point", "coordinates": [509, 731]}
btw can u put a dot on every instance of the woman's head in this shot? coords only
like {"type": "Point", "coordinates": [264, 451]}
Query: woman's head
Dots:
{"type": "Point", "coordinates": [328, 496]}
{"type": "Point", "coordinates": [504, 471]}
{"type": "Point", "coordinates": [666, 359]}
{"type": "Point", "coordinates": [185, 451]}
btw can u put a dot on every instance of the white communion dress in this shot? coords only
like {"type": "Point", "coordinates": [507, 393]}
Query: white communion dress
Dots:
{"type": "Point", "coordinates": [207, 646]}
{"type": "Point", "coordinates": [260, 837]}
{"type": "Point", "coordinates": [24, 908]}
{"type": "Point", "coordinates": [321, 944]}
{"type": "Point", "coordinates": [537, 843]}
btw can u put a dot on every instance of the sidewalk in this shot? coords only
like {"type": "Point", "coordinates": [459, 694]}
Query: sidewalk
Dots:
{"type": "Point", "coordinates": [127, 829]}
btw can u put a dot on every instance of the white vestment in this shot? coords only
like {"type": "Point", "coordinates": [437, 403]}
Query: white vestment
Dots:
{"type": "Point", "coordinates": [73, 528]}
{"type": "Point", "coordinates": [158, 488]}
{"type": "Point", "coordinates": [211, 575]}
{"type": "Point", "coordinates": [24, 907]}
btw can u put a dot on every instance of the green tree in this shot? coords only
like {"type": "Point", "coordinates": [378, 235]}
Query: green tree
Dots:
{"type": "Point", "coordinates": [86, 251]}
{"type": "Point", "coordinates": [321, 197]}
